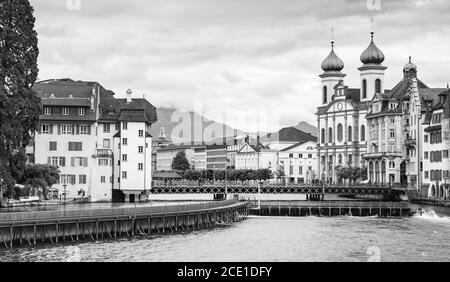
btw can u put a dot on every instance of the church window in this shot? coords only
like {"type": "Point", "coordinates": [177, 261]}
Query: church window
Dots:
{"type": "Point", "coordinates": [350, 134]}
{"type": "Point", "coordinates": [364, 89]}
{"type": "Point", "coordinates": [324, 95]}
{"type": "Point", "coordinates": [363, 133]}
{"type": "Point", "coordinates": [340, 133]}
{"type": "Point", "coordinates": [330, 135]}
{"type": "Point", "coordinates": [322, 137]}
{"type": "Point", "coordinates": [378, 86]}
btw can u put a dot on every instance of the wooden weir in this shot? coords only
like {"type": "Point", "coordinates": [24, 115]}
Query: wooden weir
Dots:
{"type": "Point", "coordinates": [93, 224]}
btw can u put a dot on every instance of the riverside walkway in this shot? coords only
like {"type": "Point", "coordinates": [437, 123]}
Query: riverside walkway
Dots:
{"type": "Point", "coordinates": [31, 227]}
{"type": "Point", "coordinates": [330, 208]}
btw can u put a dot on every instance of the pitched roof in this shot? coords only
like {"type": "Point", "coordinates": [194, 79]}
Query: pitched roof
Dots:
{"type": "Point", "coordinates": [293, 146]}
{"type": "Point", "coordinates": [289, 134]}
{"type": "Point", "coordinates": [111, 110]}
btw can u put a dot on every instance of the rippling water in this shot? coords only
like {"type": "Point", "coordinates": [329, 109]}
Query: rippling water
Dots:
{"type": "Point", "coordinates": [418, 238]}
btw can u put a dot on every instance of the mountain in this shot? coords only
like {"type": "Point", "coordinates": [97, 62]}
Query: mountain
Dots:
{"type": "Point", "coordinates": [308, 128]}
{"type": "Point", "coordinates": [184, 127]}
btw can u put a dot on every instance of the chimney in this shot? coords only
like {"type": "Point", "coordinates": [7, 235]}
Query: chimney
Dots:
{"type": "Point", "coordinates": [129, 94]}
{"type": "Point", "coordinates": [258, 140]}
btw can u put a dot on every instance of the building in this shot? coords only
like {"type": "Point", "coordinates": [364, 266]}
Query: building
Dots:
{"type": "Point", "coordinates": [199, 162]}
{"type": "Point", "coordinates": [341, 119]}
{"type": "Point", "coordinates": [157, 143]}
{"type": "Point", "coordinates": [436, 147]}
{"type": "Point", "coordinates": [165, 156]}
{"type": "Point", "coordinates": [216, 157]}
{"type": "Point", "coordinates": [256, 157]}
{"type": "Point", "coordinates": [100, 143]}
{"type": "Point", "coordinates": [299, 162]}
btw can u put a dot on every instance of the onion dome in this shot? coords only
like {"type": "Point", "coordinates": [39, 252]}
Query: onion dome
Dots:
{"type": "Point", "coordinates": [332, 63]}
{"type": "Point", "coordinates": [372, 55]}
{"type": "Point", "coordinates": [409, 66]}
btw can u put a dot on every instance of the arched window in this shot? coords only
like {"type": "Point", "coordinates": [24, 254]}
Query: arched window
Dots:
{"type": "Point", "coordinates": [330, 135]}
{"type": "Point", "coordinates": [322, 136]}
{"type": "Point", "coordinates": [340, 133]}
{"type": "Point", "coordinates": [364, 89]}
{"type": "Point", "coordinates": [378, 86]}
{"type": "Point", "coordinates": [349, 134]}
{"type": "Point", "coordinates": [363, 133]}
{"type": "Point", "coordinates": [324, 95]}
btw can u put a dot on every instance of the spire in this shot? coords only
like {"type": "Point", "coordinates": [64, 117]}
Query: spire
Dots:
{"type": "Point", "coordinates": [332, 63]}
{"type": "Point", "coordinates": [372, 55]}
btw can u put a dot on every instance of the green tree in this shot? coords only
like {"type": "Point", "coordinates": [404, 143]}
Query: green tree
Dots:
{"type": "Point", "coordinates": [20, 107]}
{"type": "Point", "coordinates": [180, 162]}
{"type": "Point", "coordinates": [40, 177]}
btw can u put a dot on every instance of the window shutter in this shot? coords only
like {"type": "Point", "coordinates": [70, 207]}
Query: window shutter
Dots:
{"type": "Point", "coordinates": [72, 161]}
{"type": "Point", "coordinates": [85, 161]}
{"type": "Point", "coordinates": [88, 129]}
{"type": "Point", "coordinates": [78, 129]}
{"type": "Point", "coordinates": [51, 128]}
{"type": "Point", "coordinates": [40, 129]}
{"type": "Point", "coordinates": [59, 129]}
{"type": "Point", "coordinates": [49, 160]}
{"type": "Point", "coordinates": [73, 129]}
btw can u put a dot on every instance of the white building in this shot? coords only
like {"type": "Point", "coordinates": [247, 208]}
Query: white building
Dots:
{"type": "Point", "coordinates": [77, 132]}
{"type": "Point", "coordinates": [256, 157]}
{"type": "Point", "coordinates": [299, 162]}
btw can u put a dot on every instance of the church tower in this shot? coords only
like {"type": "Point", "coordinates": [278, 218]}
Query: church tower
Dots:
{"type": "Point", "coordinates": [332, 67]}
{"type": "Point", "coordinates": [372, 72]}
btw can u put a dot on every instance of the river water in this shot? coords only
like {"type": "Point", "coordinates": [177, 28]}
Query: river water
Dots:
{"type": "Point", "coordinates": [418, 238]}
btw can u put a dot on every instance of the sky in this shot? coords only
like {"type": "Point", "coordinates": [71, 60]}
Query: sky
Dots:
{"type": "Point", "coordinates": [253, 64]}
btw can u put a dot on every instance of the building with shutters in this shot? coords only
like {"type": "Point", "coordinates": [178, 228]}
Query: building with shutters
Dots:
{"type": "Point", "coordinates": [100, 143]}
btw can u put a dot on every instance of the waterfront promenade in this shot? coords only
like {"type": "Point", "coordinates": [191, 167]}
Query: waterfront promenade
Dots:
{"type": "Point", "coordinates": [74, 224]}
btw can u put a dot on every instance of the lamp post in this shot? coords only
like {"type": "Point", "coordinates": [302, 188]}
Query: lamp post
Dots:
{"type": "Point", "coordinates": [65, 192]}
{"type": "Point", "coordinates": [226, 170]}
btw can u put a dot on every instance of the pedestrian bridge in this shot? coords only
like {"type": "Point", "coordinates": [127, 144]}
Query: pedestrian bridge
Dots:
{"type": "Point", "coordinates": [306, 189]}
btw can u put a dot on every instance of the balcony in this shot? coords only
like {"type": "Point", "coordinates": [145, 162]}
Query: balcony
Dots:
{"type": "Point", "coordinates": [103, 153]}
{"type": "Point", "coordinates": [410, 142]}
{"type": "Point", "coordinates": [379, 155]}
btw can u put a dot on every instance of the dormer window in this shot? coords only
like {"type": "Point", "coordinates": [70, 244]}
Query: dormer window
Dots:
{"type": "Point", "coordinates": [81, 111]}
{"type": "Point", "coordinates": [65, 111]}
{"type": "Point", "coordinates": [47, 111]}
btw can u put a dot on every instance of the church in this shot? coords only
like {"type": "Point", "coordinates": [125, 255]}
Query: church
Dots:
{"type": "Point", "coordinates": [381, 130]}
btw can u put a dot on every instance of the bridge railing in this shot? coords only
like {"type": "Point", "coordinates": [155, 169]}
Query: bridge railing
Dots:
{"type": "Point", "coordinates": [335, 204]}
{"type": "Point", "coordinates": [6, 218]}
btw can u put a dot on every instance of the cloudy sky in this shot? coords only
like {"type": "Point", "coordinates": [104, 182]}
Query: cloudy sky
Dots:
{"type": "Point", "coordinates": [231, 58]}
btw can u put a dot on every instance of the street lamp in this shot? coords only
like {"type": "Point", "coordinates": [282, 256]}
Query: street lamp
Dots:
{"type": "Point", "coordinates": [65, 192]}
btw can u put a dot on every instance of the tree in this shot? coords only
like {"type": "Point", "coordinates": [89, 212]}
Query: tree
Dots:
{"type": "Point", "coordinates": [20, 107]}
{"type": "Point", "coordinates": [180, 162]}
{"type": "Point", "coordinates": [40, 177]}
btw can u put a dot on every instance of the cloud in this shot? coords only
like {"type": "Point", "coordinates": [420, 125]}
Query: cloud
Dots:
{"type": "Point", "coordinates": [236, 54]}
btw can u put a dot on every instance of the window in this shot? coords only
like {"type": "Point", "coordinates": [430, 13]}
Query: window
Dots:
{"type": "Point", "coordinates": [83, 130]}
{"type": "Point", "coordinates": [54, 161]}
{"type": "Point", "coordinates": [140, 166]}
{"type": "Point", "coordinates": [425, 138]}
{"type": "Point", "coordinates": [81, 111]}
{"type": "Point", "coordinates": [391, 164]}
{"type": "Point", "coordinates": [117, 126]}
{"type": "Point", "coordinates": [309, 156]}
{"type": "Point", "coordinates": [392, 120]}
{"type": "Point", "coordinates": [124, 174]}
{"type": "Point", "coordinates": [106, 143]}
{"type": "Point", "coordinates": [103, 162]}
{"type": "Point", "coordinates": [300, 156]}
{"type": "Point", "coordinates": [102, 179]}
{"type": "Point", "coordinates": [330, 135]}
{"type": "Point", "coordinates": [340, 133]}
{"type": "Point", "coordinates": [322, 136]}
{"type": "Point", "coordinates": [45, 129]}
{"type": "Point", "coordinates": [291, 156]}
{"type": "Point", "coordinates": [364, 89]}
{"type": "Point", "coordinates": [62, 161]}
{"type": "Point", "coordinates": [140, 149]}
{"type": "Point", "coordinates": [65, 111]}
{"type": "Point", "coordinates": [324, 95]}
{"type": "Point", "coordinates": [124, 126]}
{"type": "Point", "coordinates": [47, 111]}
{"type": "Point", "coordinates": [53, 146]}
{"type": "Point", "coordinates": [392, 134]}
{"type": "Point", "coordinates": [82, 179]}
{"type": "Point", "coordinates": [75, 146]}
{"type": "Point", "coordinates": [300, 170]}
{"type": "Point", "coordinates": [426, 155]}
{"type": "Point", "coordinates": [445, 154]}
{"type": "Point", "coordinates": [106, 127]}
{"type": "Point", "coordinates": [378, 86]}
{"type": "Point", "coordinates": [141, 133]}
{"type": "Point", "coordinates": [350, 134]}
{"type": "Point", "coordinates": [363, 133]}
{"type": "Point", "coordinates": [124, 141]}
{"type": "Point", "coordinates": [66, 129]}
{"type": "Point", "coordinates": [124, 157]}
